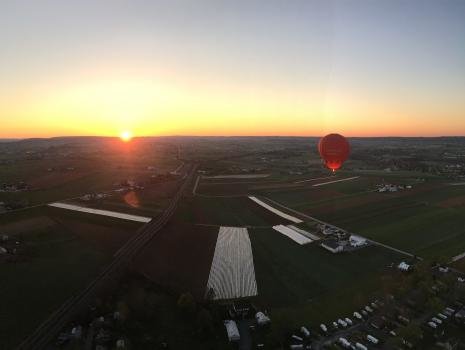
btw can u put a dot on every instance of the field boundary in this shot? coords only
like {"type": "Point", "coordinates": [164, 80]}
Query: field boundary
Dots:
{"type": "Point", "coordinates": [314, 179]}
{"type": "Point", "coordinates": [113, 214]}
{"type": "Point", "coordinates": [276, 211]}
{"type": "Point", "coordinates": [237, 176]}
{"type": "Point", "coordinates": [334, 181]}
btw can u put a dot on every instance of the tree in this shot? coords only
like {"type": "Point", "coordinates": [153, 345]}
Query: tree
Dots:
{"type": "Point", "coordinates": [411, 333]}
{"type": "Point", "coordinates": [123, 310]}
{"type": "Point", "coordinates": [435, 305]}
{"type": "Point", "coordinates": [394, 343]}
{"type": "Point", "coordinates": [205, 321]}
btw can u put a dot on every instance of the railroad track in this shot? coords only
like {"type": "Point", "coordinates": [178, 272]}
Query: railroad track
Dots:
{"type": "Point", "coordinates": [49, 329]}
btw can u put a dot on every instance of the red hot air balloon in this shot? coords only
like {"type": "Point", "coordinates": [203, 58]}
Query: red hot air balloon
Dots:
{"type": "Point", "coordinates": [334, 149]}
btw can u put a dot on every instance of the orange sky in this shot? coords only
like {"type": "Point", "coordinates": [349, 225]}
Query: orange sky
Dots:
{"type": "Point", "coordinates": [75, 68]}
{"type": "Point", "coordinates": [158, 107]}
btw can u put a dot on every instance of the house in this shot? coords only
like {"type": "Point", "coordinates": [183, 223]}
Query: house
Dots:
{"type": "Point", "coordinates": [357, 241]}
{"type": "Point", "coordinates": [333, 246]}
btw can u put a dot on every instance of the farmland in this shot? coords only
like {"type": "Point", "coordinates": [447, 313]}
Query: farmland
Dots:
{"type": "Point", "coordinates": [307, 284]}
{"type": "Point", "coordinates": [297, 281]}
{"type": "Point", "coordinates": [179, 258]}
{"type": "Point", "coordinates": [238, 211]}
{"type": "Point", "coordinates": [58, 254]}
{"type": "Point", "coordinates": [427, 220]}
{"type": "Point", "coordinates": [58, 169]}
{"type": "Point", "coordinates": [232, 272]}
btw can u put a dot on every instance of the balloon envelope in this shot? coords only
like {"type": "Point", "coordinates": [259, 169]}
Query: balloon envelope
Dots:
{"type": "Point", "coordinates": [334, 149]}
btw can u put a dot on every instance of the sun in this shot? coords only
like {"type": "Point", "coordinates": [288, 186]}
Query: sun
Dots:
{"type": "Point", "coordinates": [126, 136]}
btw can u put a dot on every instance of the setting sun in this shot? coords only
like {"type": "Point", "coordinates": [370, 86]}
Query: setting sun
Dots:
{"type": "Point", "coordinates": [126, 136]}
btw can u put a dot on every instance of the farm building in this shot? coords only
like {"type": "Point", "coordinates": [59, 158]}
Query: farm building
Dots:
{"type": "Point", "coordinates": [327, 230]}
{"type": "Point", "coordinates": [403, 266]}
{"type": "Point", "coordinates": [262, 319]}
{"type": "Point", "coordinates": [232, 330]}
{"type": "Point", "coordinates": [333, 246]}
{"type": "Point", "coordinates": [296, 236]}
{"type": "Point", "coordinates": [357, 241]}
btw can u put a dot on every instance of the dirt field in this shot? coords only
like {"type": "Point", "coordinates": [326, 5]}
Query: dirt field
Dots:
{"type": "Point", "coordinates": [107, 239]}
{"type": "Point", "coordinates": [452, 202]}
{"type": "Point", "coordinates": [55, 179]}
{"type": "Point", "coordinates": [147, 202]}
{"type": "Point", "coordinates": [180, 257]}
{"type": "Point", "coordinates": [26, 225]}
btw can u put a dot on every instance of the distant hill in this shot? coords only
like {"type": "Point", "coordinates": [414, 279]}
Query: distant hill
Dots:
{"type": "Point", "coordinates": [9, 140]}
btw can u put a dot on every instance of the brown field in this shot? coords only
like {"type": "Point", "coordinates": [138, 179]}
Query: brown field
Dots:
{"type": "Point", "coordinates": [107, 239]}
{"type": "Point", "coordinates": [340, 203]}
{"type": "Point", "coordinates": [452, 202]}
{"type": "Point", "coordinates": [179, 258]}
{"type": "Point", "coordinates": [56, 178]}
{"type": "Point", "coordinates": [147, 202]}
{"type": "Point", "coordinates": [26, 225]}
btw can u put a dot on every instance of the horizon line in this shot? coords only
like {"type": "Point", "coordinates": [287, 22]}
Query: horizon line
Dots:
{"type": "Point", "coordinates": [223, 136]}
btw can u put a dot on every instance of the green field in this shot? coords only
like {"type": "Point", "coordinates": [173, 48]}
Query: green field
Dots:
{"type": "Point", "coordinates": [92, 173]}
{"type": "Point", "coordinates": [58, 258]}
{"type": "Point", "coordinates": [237, 211]}
{"type": "Point", "coordinates": [307, 284]}
{"type": "Point", "coordinates": [297, 284]}
{"type": "Point", "coordinates": [428, 221]}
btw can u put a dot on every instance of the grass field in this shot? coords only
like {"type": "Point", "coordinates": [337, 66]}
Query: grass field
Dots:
{"type": "Point", "coordinates": [94, 173]}
{"type": "Point", "coordinates": [299, 282]}
{"type": "Point", "coordinates": [62, 251]}
{"type": "Point", "coordinates": [149, 201]}
{"type": "Point", "coordinates": [240, 211]}
{"type": "Point", "coordinates": [428, 220]}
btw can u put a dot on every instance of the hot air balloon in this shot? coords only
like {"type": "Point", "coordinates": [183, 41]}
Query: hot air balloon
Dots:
{"type": "Point", "coordinates": [334, 149]}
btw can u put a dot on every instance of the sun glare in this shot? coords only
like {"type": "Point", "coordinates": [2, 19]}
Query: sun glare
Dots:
{"type": "Point", "coordinates": [126, 136]}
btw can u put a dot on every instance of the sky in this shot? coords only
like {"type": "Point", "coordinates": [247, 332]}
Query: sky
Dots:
{"type": "Point", "coordinates": [296, 67]}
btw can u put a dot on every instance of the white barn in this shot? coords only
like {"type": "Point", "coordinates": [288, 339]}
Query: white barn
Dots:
{"type": "Point", "coordinates": [357, 241]}
{"type": "Point", "coordinates": [403, 266]}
